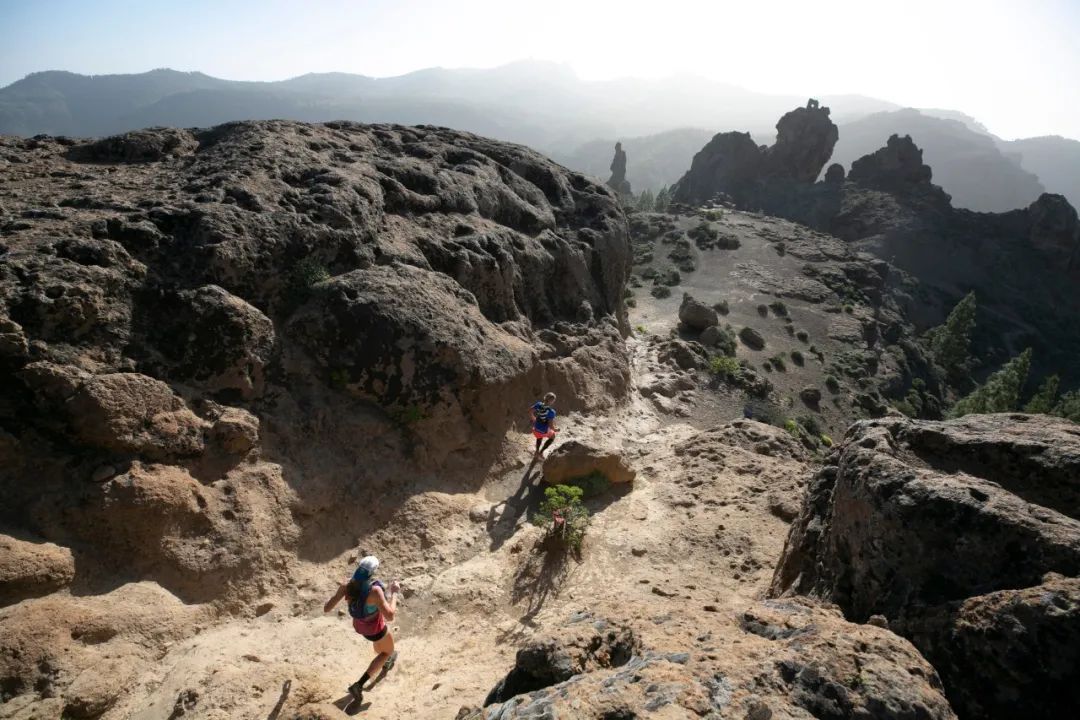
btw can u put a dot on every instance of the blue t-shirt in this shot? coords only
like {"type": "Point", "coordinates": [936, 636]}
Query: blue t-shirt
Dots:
{"type": "Point", "coordinates": [544, 416]}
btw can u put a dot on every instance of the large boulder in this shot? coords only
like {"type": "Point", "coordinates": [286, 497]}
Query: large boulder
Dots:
{"type": "Point", "coordinates": [805, 138]}
{"type": "Point", "coordinates": [133, 413]}
{"type": "Point", "coordinates": [795, 661]}
{"type": "Point", "coordinates": [696, 315]}
{"type": "Point", "coordinates": [575, 459]}
{"type": "Point", "coordinates": [30, 569]}
{"type": "Point", "coordinates": [927, 524]}
{"type": "Point", "coordinates": [215, 340]}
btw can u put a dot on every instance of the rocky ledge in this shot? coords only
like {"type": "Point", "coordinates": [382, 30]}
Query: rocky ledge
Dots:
{"type": "Point", "coordinates": [964, 537]}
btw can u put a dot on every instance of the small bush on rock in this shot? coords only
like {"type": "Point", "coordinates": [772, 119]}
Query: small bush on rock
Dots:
{"type": "Point", "coordinates": [563, 516]}
{"type": "Point", "coordinates": [726, 367]}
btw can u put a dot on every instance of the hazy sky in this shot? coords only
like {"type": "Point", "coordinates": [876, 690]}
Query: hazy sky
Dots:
{"type": "Point", "coordinates": [1013, 64]}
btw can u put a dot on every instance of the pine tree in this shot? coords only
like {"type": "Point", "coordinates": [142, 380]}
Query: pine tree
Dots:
{"type": "Point", "coordinates": [1000, 392]}
{"type": "Point", "coordinates": [1068, 406]}
{"type": "Point", "coordinates": [646, 202]}
{"type": "Point", "coordinates": [951, 342]}
{"type": "Point", "coordinates": [1042, 402]}
{"type": "Point", "coordinates": [663, 199]}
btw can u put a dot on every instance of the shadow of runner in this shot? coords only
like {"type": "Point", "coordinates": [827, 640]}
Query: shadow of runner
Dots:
{"type": "Point", "coordinates": [285, 687]}
{"type": "Point", "coordinates": [500, 525]}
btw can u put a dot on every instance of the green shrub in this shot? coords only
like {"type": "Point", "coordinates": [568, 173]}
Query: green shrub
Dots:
{"type": "Point", "coordinates": [563, 516]}
{"type": "Point", "coordinates": [722, 307]}
{"type": "Point", "coordinates": [797, 358]}
{"type": "Point", "coordinates": [591, 485]}
{"type": "Point", "coordinates": [661, 291]}
{"type": "Point", "coordinates": [849, 309]}
{"type": "Point", "coordinates": [641, 330]}
{"type": "Point", "coordinates": [832, 384]}
{"type": "Point", "coordinates": [779, 308]}
{"type": "Point", "coordinates": [724, 366]}
{"type": "Point", "coordinates": [762, 310]}
{"type": "Point", "coordinates": [826, 440]}
{"type": "Point", "coordinates": [778, 363]}
{"type": "Point", "coordinates": [803, 335]}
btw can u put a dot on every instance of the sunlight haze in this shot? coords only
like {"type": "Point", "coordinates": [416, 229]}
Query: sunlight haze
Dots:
{"type": "Point", "coordinates": [1010, 65]}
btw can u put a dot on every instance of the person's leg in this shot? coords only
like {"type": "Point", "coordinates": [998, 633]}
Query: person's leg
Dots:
{"type": "Point", "coordinates": [384, 647]}
{"type": "Point", "coordinates": [546, 444]}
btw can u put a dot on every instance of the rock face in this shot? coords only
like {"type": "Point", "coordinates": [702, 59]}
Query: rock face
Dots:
{"type": "Point", "coordinates": [889, 207]}
{"type": "Point", "coordinates": [808, 663]}
{"type": "Point", "coordinates": [210, 340]}
{"type": "Point", "coordinates": [732, 164]}
{"type": "Point", "coordinates": [618, 181]}
{"type": "Point", "coordinates": [32, 569]}
{"type": "Point", "coordinates": [965, 535]}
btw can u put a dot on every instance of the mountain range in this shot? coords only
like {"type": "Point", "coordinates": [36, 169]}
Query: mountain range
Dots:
{"type": "Point", "coordinates": [662, 122]}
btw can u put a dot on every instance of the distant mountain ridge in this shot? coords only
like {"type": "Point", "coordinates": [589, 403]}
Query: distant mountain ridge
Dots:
{"type": "Point", "coordinates": [556, 109]}
{"type": "Point", "coordinates": [662, 122]}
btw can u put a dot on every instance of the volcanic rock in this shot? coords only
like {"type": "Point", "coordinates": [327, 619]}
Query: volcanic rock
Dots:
{"type": "Point", "coordinates": [835, 173]}
{"type": "Point", "coordinates": [32, 569]}
{"type": "Point", "coordinates": [696, 315]}
{"type": "Point", "coordinates": [808, 662]}
{"type": "Point", "coordinates": [618, 181]}
{"type": "Point", "coordinates": [732, 164]}
{"type": "Point", "coordinates": [940, 527]}
{"type": "Point", "coordinates": [575, 459]}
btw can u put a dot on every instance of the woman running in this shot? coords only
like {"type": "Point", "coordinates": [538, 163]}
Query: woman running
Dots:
{"type": "Point", "coordinates": [370, 608]}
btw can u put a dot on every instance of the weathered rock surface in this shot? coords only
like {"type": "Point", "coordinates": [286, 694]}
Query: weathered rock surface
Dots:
{"type": "Point", "coordinates": [732, 164]}
{"type": "Point", "coordinates": [696, 315]}
{"type": "Point", "coordinates": [618, 181]}
{"type": "Point", "coordinates": [211, 341]}
{"type": "Point", "coordinates": [30, 569]}
{"type": "Point", "coordinates": [575, 459]}
{"type": "Point", "coordinates": [948, 530]}
{"type": "Point", "coordinates": [795, 661]}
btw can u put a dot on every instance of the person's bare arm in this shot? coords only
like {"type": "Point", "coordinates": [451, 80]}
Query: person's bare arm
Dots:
{"type": "Point", "coordinates": [335, 598]}
{"type": "Point", "coordinates": [388, 607]}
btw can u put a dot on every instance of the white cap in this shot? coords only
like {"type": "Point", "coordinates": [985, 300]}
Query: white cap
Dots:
{"type": "Point", "coordinates": [367, 566]}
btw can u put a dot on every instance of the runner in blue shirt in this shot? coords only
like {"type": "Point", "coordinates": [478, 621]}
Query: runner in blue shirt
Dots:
{"type": "Point", "coordinates": [543, 423]}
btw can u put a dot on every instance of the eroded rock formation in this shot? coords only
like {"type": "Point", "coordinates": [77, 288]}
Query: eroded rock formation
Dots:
{"type": "Point", "coordinates": [618, 181]}
{"type": "Point", "coordinates": [965, 537]}
{"type": "Point", "coordinates": [182, 312]}
{"type": "Point", "coordinates": [732, 164]}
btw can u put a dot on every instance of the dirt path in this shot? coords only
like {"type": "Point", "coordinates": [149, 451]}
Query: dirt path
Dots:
{"type": "Point", "coordinates": [461, 621]}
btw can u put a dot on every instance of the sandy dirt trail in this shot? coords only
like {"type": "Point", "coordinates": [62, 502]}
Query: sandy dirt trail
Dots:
{"type": "Point", "coordinates": [459, 625]}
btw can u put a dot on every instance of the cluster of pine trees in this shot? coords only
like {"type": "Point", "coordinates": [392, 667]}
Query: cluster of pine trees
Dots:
{"type": "Point", "coordinates": [647, 201]}
{"type": "Point", "coordinates": [1003, 391]}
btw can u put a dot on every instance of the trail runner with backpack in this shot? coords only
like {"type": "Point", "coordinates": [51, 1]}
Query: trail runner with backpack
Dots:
{"type": "Point", "coordinates": [543, 424]}
{"type": "Point", "coordinates": [370, 607]}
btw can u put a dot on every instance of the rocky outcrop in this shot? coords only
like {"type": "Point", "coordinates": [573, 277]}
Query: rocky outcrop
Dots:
{"type": "Point", "coordinates": [949, 530]}
{"type": "Point", "coordinates": [696, 315]}
{"type": "Point", "coordinates": [835, 173]}
{"type": "Point", "coordinates": [807, 662]}
{"type": "Point", "coordinates": [618, 181]}
{"type": "Point", "coordinates": [732, 164]}
{"type": "Point", "coordinates": [32, 569]}
{"type": "Point", "coordinates": [211, 340]}
{"type": "Point", "coordinates": [576, 459]}
{"type": "Point", "coordinates": [805, 138]}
